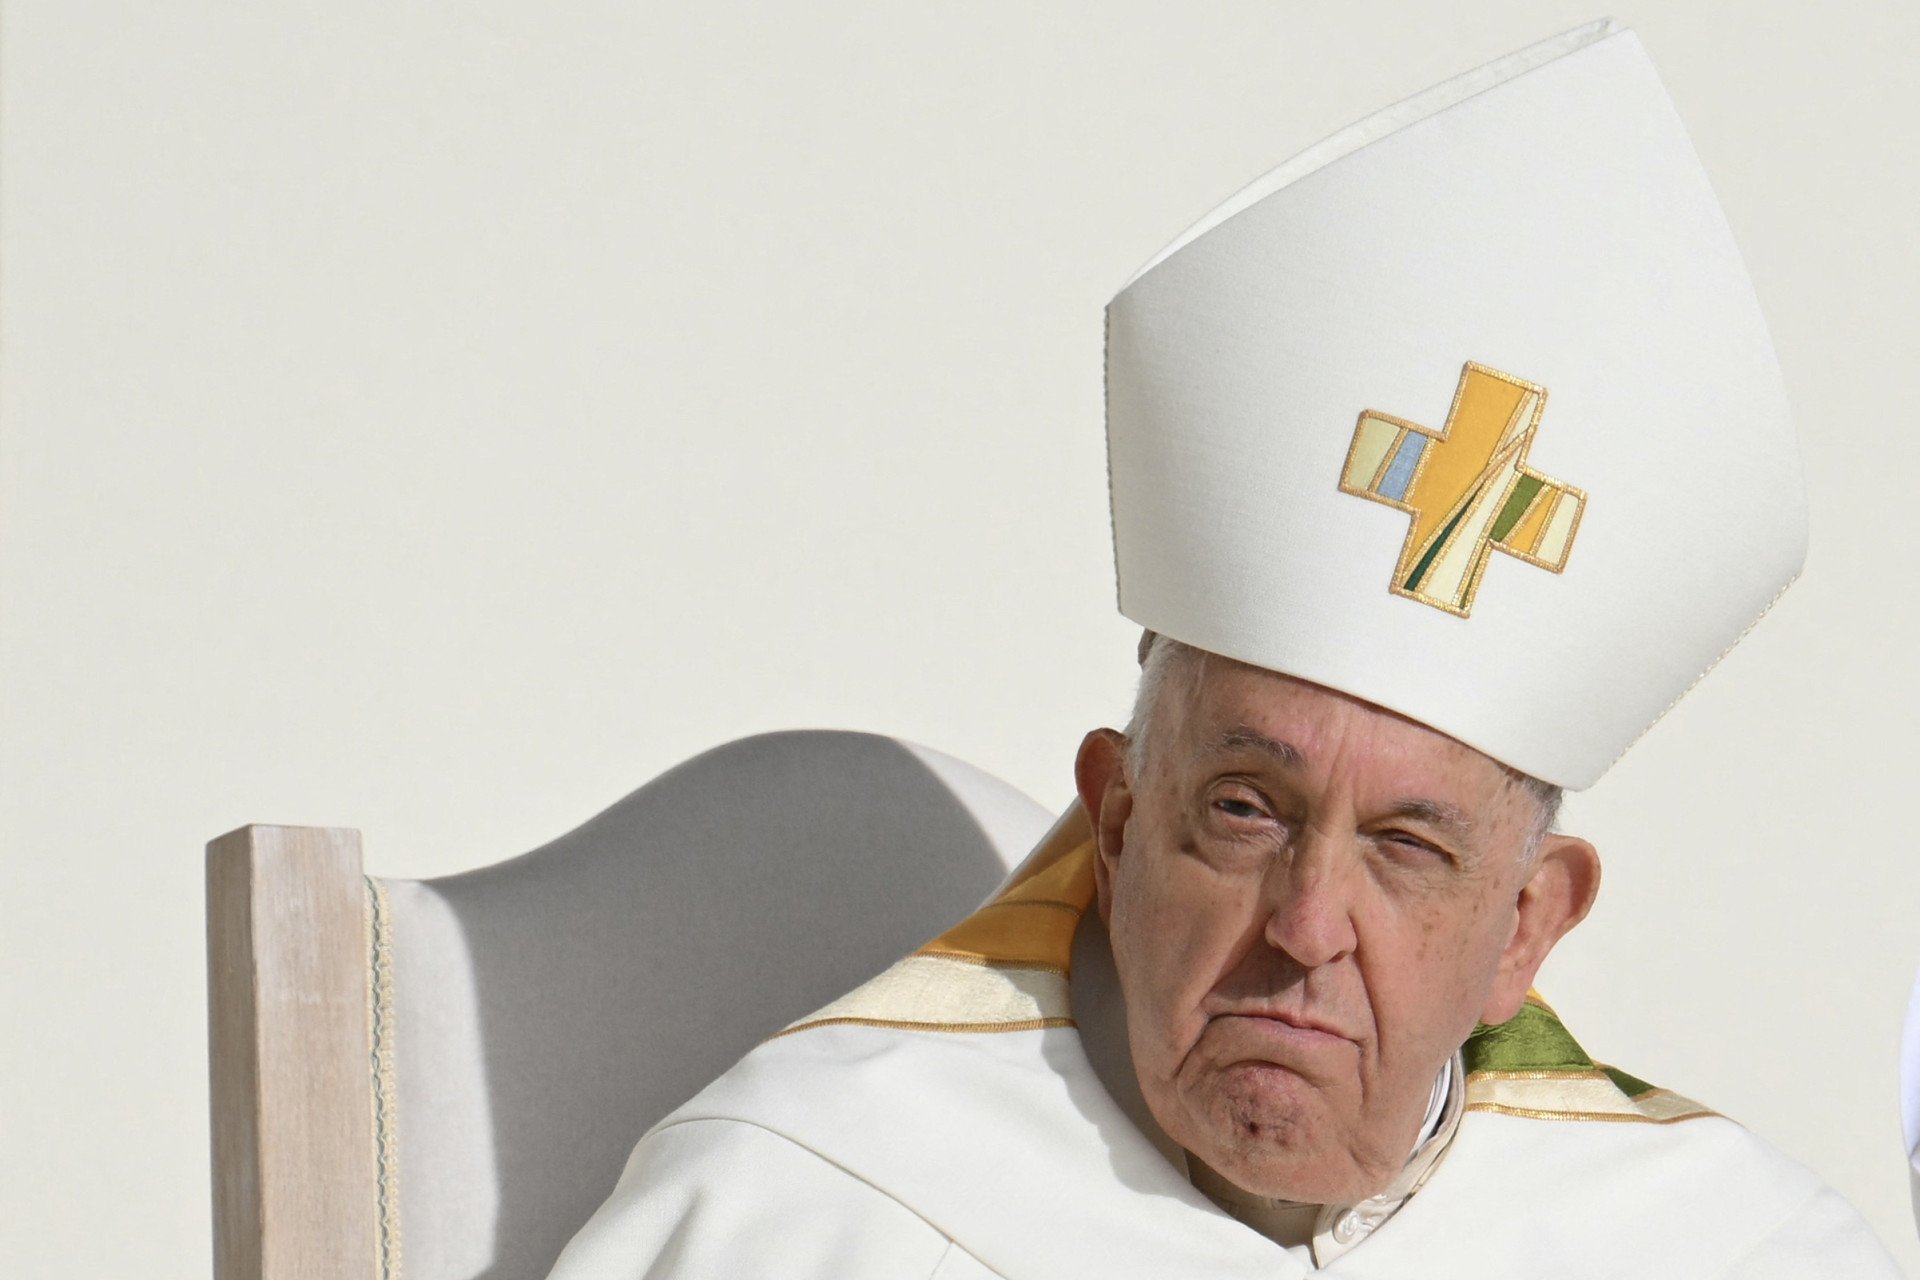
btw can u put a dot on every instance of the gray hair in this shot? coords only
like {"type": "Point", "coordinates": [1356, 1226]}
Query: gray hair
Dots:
{"type": "Point", "coordinates": [1164, 660]}
{"type": "Point", "coordinates": [1159, 657]}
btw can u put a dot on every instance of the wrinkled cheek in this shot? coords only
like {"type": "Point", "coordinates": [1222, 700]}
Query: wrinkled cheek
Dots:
{"type": "Point", "coordinates": [1176, 947]}
{"type": "Point", "coordinates": [1433, 936]}
{"type": "Point", "coordinates": [1450, 958]}
{"type": "Point", "coordinates": [1159, 959]}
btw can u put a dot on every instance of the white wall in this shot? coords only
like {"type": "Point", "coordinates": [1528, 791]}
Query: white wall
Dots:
{"type": "Point", "coordinates": [440, 419]}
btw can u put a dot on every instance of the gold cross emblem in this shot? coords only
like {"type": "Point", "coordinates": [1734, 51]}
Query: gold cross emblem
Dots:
{"type": "Point", "coordinates": [1467, 487]}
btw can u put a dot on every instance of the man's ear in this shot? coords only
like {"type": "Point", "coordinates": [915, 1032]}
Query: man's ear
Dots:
{"type": "Point", "coordinates": [1556, 896]}
{"type": "Point", "coordinates": [1100, 775]}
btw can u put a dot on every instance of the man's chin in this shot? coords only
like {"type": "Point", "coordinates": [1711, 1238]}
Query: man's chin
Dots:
{"type": "Point", "coordinates": [1300, 1185]}
{"type": "Point", "coordinates": [1296, 1176]}
{"type": "Point", "coordinates": [1261, 1097]}
{"type": "Point", "coordinates": [1268, 1134]}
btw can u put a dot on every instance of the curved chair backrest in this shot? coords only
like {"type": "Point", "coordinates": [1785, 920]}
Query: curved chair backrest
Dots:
{"type": "Point", "coordinates": [529, 1020]}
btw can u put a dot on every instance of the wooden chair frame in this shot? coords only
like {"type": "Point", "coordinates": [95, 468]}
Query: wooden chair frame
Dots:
{"type": "Point", "coordinates": [296, 1189]}
{"type": "Point", "coordinates": [305, 1016]}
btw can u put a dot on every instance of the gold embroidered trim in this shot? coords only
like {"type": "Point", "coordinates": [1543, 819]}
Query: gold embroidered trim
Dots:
{"type": "Point", "coordinates": [1614, 1117]}
{"type": "Point", "coordinates": [990, 962]}
{"type": "Point", "coordinates": [1582, 1074]}
{"type": "Point", "coordinates": [386, 1106]}
{"type": "Point", "coordinates": [1027, 1024]}
{"type": "Point", "coordinates": [1608, 1102]}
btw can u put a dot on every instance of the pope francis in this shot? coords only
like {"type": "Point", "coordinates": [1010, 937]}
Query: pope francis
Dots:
{"type": "Point", "coordinates": [1261, 1003]}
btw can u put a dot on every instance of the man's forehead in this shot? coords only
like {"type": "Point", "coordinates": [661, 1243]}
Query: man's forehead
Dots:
{"type": "Point", "coordinates": [1235, 710]}
{"type": "Point", "coordinates": [1231, 700]}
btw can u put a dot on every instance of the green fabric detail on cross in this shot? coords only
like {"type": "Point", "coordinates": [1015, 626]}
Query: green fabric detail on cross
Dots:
{"type": "Point", "coordinates": [1439, 544]}
{"type": "Point", "coordinates": [1517, 503]}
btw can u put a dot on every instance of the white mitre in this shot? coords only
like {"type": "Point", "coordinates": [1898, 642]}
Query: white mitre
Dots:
{"type": "Point", "coordinates": [1468, 411]}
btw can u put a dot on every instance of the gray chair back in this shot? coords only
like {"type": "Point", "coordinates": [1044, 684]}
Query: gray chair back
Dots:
{"type": "Point", "coordinates": [533, 1018]}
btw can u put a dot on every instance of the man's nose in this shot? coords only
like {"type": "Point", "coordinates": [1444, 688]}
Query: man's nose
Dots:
{"type": "Point", "coordinates": [1311, 900]}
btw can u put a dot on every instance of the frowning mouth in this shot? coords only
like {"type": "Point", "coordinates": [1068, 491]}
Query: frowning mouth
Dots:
{"type": "Point", "coordinates": [1287, 1024]}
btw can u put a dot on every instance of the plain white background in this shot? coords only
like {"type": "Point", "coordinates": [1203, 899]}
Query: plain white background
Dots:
{"type": "Point", "coordinates": [440, 419]}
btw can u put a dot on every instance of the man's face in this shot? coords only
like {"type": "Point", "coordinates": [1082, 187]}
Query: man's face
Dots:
{"type": "Point", "coordinates": [1311, 901]}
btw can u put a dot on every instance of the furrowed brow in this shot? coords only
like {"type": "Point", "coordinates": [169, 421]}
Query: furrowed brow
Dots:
{"type": "Point", "coordinates": [1244, 738]}
{"type": "Point", "coordinates": [1434, 813]}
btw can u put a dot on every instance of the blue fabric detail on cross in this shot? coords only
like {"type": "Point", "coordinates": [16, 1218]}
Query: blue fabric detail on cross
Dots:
{"type": "Point", "coordinates": [1399, 472]}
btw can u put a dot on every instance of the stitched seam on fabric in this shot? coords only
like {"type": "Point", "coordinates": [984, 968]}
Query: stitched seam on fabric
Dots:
{"type": "Point", "coordinates": [940, 1263]}
{"type": "Point", "coordinates": [791, 1141]}
{"type": "Point", "coordinates": [1775, 1228]}
{"type": "Point", "coordinates": [1704, 670]}
{"type": "Point", "coordinates": [386, 1111]}
{"type": "Point", "coordinates": [1106, 423]}
{"type": "Point", "coordinates": [1386, 460]}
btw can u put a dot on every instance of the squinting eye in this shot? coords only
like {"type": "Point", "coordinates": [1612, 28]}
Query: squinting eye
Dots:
{"type": "Point", "coordinates": [1414, 844]}
{"type": "Point", "coordinates": [1238, 808]}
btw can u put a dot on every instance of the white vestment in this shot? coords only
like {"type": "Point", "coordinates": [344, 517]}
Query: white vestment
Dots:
{"type": "Point", "coordinates": [945, 1120]}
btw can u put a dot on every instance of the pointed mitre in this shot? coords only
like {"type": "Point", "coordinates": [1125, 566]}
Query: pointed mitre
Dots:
{"type": "Point", "coordinates": [1468, 411]}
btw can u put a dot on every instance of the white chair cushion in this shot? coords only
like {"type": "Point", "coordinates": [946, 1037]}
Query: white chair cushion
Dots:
{"type": "Point", "coordinates": [547, 1010]}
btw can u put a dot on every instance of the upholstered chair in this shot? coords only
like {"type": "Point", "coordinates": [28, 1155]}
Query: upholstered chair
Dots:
{"type": "Point", "coordinates": [446, 1075]}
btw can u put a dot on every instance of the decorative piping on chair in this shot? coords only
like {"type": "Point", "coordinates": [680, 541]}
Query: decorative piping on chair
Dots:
{"type": "Point", "coordinates": [386, 1113]}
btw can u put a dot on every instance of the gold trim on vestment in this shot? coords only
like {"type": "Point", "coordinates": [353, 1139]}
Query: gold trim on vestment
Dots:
{"type": "Point", "coordinates": [1548, 1088]}
{"type": "Point", "coordinates": [1615, 1117]}
{"type": "Point", "coordinates": [989, 962]}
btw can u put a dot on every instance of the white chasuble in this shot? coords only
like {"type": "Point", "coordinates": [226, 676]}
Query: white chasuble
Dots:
{"type": "Point", "coordinates": [944, 1120]}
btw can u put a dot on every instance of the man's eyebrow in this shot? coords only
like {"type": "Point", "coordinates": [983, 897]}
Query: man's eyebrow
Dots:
{"type": "Point", "coordinates": [1244, 738]}
{"type": "Point", "coordinates": [1445, 816]}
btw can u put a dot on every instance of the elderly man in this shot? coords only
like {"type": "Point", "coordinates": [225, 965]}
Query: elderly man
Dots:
{"type": "Point", "coordinates": [1260, 1004]}
{"type": "Point", "coordinates": [1322, 900]}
